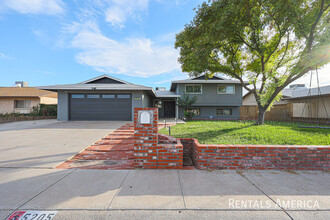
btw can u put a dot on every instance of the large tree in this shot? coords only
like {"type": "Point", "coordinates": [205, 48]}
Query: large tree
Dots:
{"type": "Point", "coordinates": [269, 43]}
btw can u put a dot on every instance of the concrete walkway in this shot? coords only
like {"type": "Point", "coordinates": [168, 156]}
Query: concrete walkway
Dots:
{"type": "Point", "coordinates": [166, 194]}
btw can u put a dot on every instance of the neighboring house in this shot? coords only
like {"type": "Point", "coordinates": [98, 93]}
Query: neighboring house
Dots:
{"type": "Point", "coordinates": [109, 98]}
{"type": "Point", "coordinates": [313, 103]}
{"type": "Point", "coordinates": [297, 102]}
{"type": "Point", "coordinates": [23, 99]}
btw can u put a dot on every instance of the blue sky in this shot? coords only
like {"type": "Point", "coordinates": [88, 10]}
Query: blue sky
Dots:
{"type": "Point", "coordinates": [46, 42]}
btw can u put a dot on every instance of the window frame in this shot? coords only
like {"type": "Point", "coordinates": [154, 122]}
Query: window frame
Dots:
{"type": "Point", "coordinates": [91, 96]}
{"type": "Point", "coordinates": [193, 85]}
{"type": "Point", "coordinates": [104, 96]}
{"type": "Point", "coordinates": [231, 111]}
{"type": "Point", "coordinates": [123, 96]}
{"type": "Point", "coordinates": [72, 96]}
{"type": "Point", "coordinates": [24, 104]}
{"type": "Point", "coordinates": [221, 93]}
{"type": "Point", "coordinates": [197, 109]}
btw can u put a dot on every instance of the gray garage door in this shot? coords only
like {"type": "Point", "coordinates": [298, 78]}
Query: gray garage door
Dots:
{"type": "Point", "coordinates": [100, 107]}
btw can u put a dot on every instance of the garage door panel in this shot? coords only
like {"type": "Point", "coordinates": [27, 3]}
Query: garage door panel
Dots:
{"type": "Point", "coordinates": [101, 107]}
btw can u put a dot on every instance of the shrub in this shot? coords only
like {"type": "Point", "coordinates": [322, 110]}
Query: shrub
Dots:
{"type": "Point", "coordinates": [188, 114]}
{"type": "Point", "coordinates": [48, 110]}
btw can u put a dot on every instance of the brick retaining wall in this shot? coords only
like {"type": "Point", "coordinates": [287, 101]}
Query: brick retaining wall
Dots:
{"type": "Point", "coordinates": [259, 157]}
{"type": "Point", "coordinates": [25, 118]}
{"type": "Point", "coordinates": [153, 150]}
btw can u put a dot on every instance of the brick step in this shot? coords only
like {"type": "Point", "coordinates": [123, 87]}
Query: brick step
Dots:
{"type": "Point", "coordinates": [107, 148]}
{"type": "Point", "coordinates": [123, 132]}
{"type": "Point", "coordinates": [118, 137]}
{"type": "Point", "coordinates": [98, 164]}
{"type": "Point", "coordinates": [96, 155]}
{"type": "Point", "coordinates": [112, 142]}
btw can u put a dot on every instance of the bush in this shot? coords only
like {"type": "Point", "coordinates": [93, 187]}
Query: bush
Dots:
{"type": "Point", "coordinates": [39, 110]}
{"type": "Point", "coordinates": [10, 115]}
{"type": "Point", "coordinates": [48, 110]}
{"type": "Point", "coordinates": [189, 114]}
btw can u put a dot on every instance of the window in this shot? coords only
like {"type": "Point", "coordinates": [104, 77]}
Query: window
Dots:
{"type": "Point", "coordinates": [108, 96]}
{"type": "Point", "coordinates": [22, 103]}
{"type": "Point", "coordinates": [123, 96]}
{"type": "Point", "coordinates": [197, 111]}
{"type": "Point", "coordinates": [158, 103]}
{"type": "Point", "coordinates": [78, 96]}
{"type": "Point", "coordinates": [93, 96]}
{"type": "Point", "coordinates": [194, 89]}
{"type": "Point", "coordinates": [224, 111]}
{"type": "Point", "coordinates": [223, 89]}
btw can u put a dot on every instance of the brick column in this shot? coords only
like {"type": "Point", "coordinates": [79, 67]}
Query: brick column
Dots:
{"type": "Point", "coordinates": [146, 139]}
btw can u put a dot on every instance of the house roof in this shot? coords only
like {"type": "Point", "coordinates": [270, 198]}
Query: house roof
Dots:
{"type": "Point", "coordinates": [292, 93]}
{"type": "Point", "coordinates": [104, 76]}
{"type": "Point", "coordinates": [313, 92]}
{"type": "Point", "coordinates": [202, 79]}
{"type": "Point", "coordinates": [285, 93]}
{"type": "Point", "coordinates": [96, 84]}
{"type": "Point", "coordinates": [25, 92]}
{"type": "Point", "coordinates": [166, 94]}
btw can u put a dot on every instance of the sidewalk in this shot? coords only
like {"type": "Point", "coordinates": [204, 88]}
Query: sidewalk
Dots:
{"type": "Point", "coordinates": [165, 194]}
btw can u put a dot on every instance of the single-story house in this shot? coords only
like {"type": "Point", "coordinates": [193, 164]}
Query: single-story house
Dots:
{"type": "Point", "coordinates": [23, 99]}
{"type": "Point", "coordinates": [297, 102]}
{"type": "Point", "coordinates": [108, 98]}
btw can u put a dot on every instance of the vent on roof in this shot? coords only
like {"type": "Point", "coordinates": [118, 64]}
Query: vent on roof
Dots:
{"type": "Point", "coordinates": [160, 88]}
{"type": "Point", "coordinates": [21, 84]}
{"type": "Point", "coordinates": [105, 80]}
{"type": "Point", "coordinates": [297, 86]}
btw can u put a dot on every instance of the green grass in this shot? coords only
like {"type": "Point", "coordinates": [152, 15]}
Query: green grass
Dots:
{"type": "Point", "coordinates": [245, 132]}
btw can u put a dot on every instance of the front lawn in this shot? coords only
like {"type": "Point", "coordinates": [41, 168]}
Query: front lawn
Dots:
{"type": "Point", "coordinates": [245, 132]}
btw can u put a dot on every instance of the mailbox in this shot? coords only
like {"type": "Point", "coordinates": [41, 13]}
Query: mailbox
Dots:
{"type": "Point", "coordinates": [145, 117]}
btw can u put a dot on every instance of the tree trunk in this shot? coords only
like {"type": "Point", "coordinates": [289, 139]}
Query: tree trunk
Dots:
{"type": "Point", "coordinates": [261, 116]}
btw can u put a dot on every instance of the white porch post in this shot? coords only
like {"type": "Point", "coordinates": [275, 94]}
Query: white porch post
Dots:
{"type": "Point", "coordinates": [176, 109]}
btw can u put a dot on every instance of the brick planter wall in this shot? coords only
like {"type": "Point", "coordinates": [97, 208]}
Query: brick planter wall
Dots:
{"type": "Point", "coordinates": [152, 150]}
{"type": "Point", "coordinates": [259, 157]}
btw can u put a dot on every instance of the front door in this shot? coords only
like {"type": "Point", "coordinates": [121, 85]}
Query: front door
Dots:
{"type": "Point", "coordinates": [169, 109]}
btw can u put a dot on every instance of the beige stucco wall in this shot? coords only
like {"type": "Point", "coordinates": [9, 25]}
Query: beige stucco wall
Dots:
{"type": "Point", "coordinates": [48, 101]}
{"type": "Point", "coordinates": [7, 105]}
{"type": "Point", "coordinates": [314, 108]}
{"type": "Point", "coordinates": [249, 100]}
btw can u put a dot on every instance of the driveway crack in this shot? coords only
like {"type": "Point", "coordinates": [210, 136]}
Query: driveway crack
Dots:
{"type": "Point", "coordinates": [43, 191]}
{"type": "Point", "coordinates": [184, 202]}
{"type": "Point", "coordinates": [242, 175]}
{"type": "Point", "coordinates": [119, 189]}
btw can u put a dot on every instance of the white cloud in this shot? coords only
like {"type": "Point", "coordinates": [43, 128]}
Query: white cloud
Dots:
{"type": "Point", "coordinates": [4, 56]}
{"type": "Point", "coordinates": [119, 11]}
{"type": "Point", "coordinates": [48, 7]}
{"type": "Point", "coordinates": [324, 77]}
{"type": "Point", "coordinates": [181, 77]}
{"type": "Point", "coordinates": [132, 56]}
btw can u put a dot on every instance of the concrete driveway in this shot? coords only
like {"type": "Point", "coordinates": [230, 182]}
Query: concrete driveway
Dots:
{"type": "Point", "coordinates": [46, 143]}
